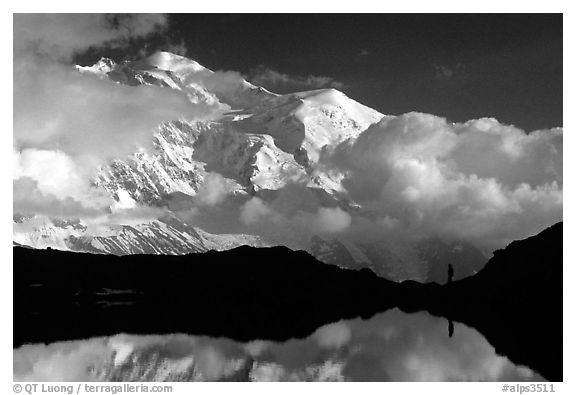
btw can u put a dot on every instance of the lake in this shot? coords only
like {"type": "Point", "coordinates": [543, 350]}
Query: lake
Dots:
{"type": "Point", "coordinates": [390, 346]}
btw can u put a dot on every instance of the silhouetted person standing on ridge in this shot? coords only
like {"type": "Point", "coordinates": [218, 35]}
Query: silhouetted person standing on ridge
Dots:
{"type": "Point", "coordinates": [450, 273]}
{"type": "Point", "coordinates": [450, 278]}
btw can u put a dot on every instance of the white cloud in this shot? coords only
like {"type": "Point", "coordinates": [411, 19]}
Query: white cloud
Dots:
{"type": "Point", "coordinates": [327, 220]}
{"type": "Point", "coordinates": [333, 335]}
{"type": "Point", "coordinates": [292, 217]}
{"type": "Point", "coordinates": [53, 171]}
{"type": "Point", "coordinates": [29, 199]}
{"type": "Point", "coordinates": [50, 182]}
{"type": "Point", "coordinates": [480, 181]}
{"type": "Point", "coordinates": [256, 210]}
{"type": "Point", "coordinates": [213, 190]}
{"type": "Point", "coordinates": [276, 80]}
{"type": "Point", "coordinates": [56, 107]}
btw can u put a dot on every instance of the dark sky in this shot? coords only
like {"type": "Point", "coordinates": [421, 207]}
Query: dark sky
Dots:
{"type": "Point", "coordinates": [460, 66]}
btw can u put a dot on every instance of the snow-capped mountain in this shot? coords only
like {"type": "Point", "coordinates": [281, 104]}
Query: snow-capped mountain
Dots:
{"type": "Point", "coordinates": [162, 236]}
{"type": "Point", "coordinates": [257, 140]}
{"type": "Point", "coordinates": [261, 141]}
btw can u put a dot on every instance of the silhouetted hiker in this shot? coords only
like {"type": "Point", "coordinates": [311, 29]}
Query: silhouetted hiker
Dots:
{"type": "Point", "coordinates": [450, 278]}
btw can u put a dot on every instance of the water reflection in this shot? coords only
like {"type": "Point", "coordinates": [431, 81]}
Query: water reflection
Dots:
{"type": "Point", "coordinates": [391, 346]}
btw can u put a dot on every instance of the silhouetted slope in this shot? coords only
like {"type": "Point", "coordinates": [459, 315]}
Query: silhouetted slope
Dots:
{"type": "Point", "coordinates": [516, 302]}
{"type": "Point", "coordinates": [275, 293]}
{"type": "Point", "coordinates": [244, 293]}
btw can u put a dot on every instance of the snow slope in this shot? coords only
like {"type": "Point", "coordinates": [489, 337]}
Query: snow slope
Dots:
{"type": "Point", "coordinates": [162, 236]}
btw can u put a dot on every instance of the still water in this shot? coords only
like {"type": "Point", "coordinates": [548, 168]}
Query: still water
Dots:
{"type": "Point", "coordinates": [391, 346]}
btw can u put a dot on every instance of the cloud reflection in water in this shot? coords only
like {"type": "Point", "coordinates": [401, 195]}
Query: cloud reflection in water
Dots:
{"type": "Point", "coordinates": [391, 346]}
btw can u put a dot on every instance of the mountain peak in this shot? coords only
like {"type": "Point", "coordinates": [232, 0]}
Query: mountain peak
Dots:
{"type": "Point", "coordinates": [168, 61]}
{"type": "Point", "coordinates": [335, 98]}
{"type": "Point", "coordinates": [102, 67]}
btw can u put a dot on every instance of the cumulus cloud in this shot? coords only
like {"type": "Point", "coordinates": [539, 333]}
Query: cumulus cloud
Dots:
{"type": "Point", "coordinates": [50, 183]}
{"type": "Point", "coordinates": [276, 80]}
{"type": "Point", "coordinates": [29, 199]}
{"type": "Point", "coordinates": [479, 181]}
{"type": "Point", "coordinates": [56, 107]}
{"type": "Point", "coordinates": [330, 220]}
{"type": "Point", "coordinates": [333, 335]}
{"type": "Point", "coordinates": [213, 190]}
{"type": "Point", "coordinates": [418, 176]}
{"type": "Point", "coordinates": [51, 170]}
{"type": "Point", "coordinates": [292, 216]}
{"type": "Point", "coordinates": [256, 210]}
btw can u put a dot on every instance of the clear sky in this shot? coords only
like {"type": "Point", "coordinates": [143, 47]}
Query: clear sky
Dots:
{"type": "Point", "coordinates": [460, 66]}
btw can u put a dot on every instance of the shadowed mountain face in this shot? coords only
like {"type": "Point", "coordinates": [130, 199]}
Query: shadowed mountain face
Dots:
{"type": "Point", "coordinates": [277, 294]}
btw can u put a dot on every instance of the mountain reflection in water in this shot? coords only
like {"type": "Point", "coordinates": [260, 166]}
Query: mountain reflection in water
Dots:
{"type": "Point", "coordinates": [391, 346]}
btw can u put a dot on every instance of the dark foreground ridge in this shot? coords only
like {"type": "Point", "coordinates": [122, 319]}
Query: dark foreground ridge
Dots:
{"type": "Point", "coordinates": [277, 294]}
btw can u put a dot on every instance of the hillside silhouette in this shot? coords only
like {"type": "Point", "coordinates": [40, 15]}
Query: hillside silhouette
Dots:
{"type": "Point", "coordinates": [276, 294]}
